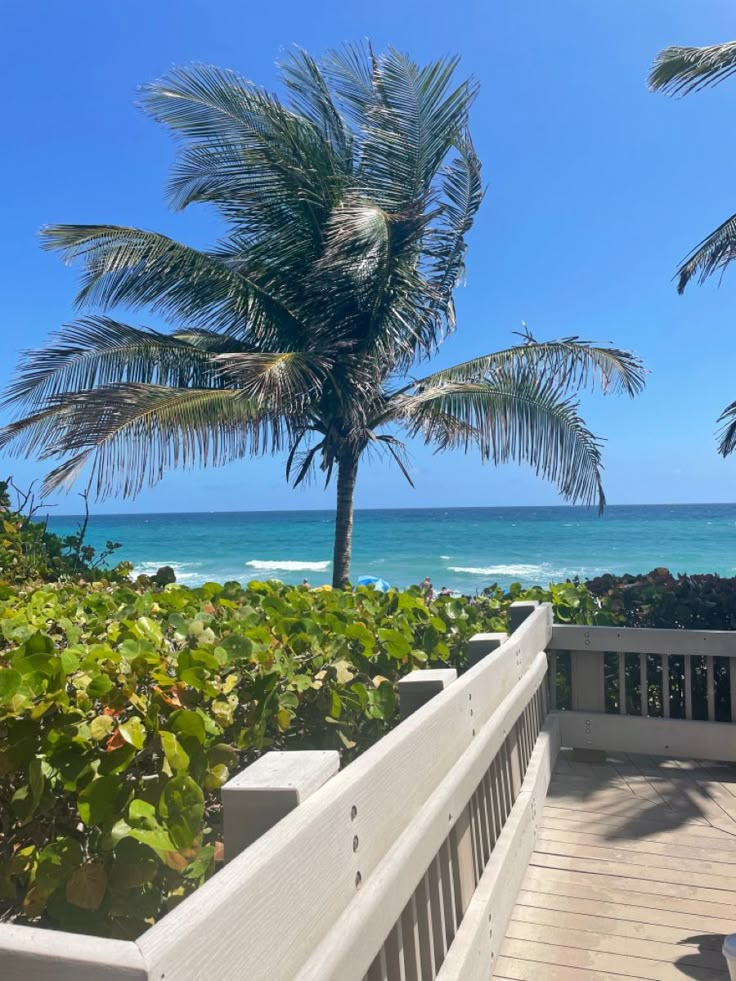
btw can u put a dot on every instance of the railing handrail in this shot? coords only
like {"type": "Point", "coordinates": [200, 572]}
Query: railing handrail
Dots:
{"type": "Point", "coordinates": [643, 640]}
{"type": "Point", "coordinates": [300, 877]}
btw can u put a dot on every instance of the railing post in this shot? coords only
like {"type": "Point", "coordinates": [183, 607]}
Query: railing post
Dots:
{"type": "Point", "coordinates": [267, 790]}
{"type": "Point", "coordinates": [480, 645]}
{"type": "Point", "coordinates": [416, 688]}
{"type": "Point", "coordinates": [588, 694]}
{"type": "Point", "coordinates": [519, 611]}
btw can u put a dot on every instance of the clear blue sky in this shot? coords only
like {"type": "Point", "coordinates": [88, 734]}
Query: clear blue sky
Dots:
{"type": "Point", "coordinates": [596, 188]}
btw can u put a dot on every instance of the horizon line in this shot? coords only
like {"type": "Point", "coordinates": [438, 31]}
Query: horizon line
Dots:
{"type": "Point", "coordinates": [463, 507]}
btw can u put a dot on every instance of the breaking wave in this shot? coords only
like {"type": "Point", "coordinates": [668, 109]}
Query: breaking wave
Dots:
{"type": "Point", "coordinates": [503, 570]}
{"type": "Point", "coordinates": [283, 565]}
{"type": "Point", "coordinates": [181, 570]}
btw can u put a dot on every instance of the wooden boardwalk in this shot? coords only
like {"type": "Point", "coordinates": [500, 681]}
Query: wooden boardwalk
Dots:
{"type": "Point", "coordinates": [634, 874]}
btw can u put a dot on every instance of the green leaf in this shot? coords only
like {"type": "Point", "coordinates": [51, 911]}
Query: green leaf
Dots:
{"type": "Point", "coordinates": [56, 861]}
{"type": "Point", "coordinates": [156, 838]}
{"type": "Point", "coordinates": [382, 701]}
{"type": "Point", "coordinates": [133, 866]}
{"type": "Point", "coordinates": [174, 751]}
{"type": "Point", "coordinates": [141, 814]}
{"type": "Point", "coordinates": [101, 726]}
{"type": "Point", "coordinates": [36, 780]}
{"type": "Point", "coordinates": [98, 801]}
{"type": "Point", "coordinates": [216, 777]}
{"type": "Point", "coordinates": [182, 807]}
{"type": "Point", "coordinates": [10, 682]}
{"type": "Point", "coordinates": [39, 643]}
{"type": "Point", "coordinates": [396, 644]}
{"type": "Point", "coordinates": [99, 686]}
{"type": "Point", "coordinates": [134, 732]}
{"type": "Point", "coordinates": [188, 723]}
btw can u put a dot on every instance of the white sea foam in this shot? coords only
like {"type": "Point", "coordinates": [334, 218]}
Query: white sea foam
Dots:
{"type": "Point", "coordinates": [502, 570]}
{"type": "Point", "coordinates": [444, 556]}
{"type": "Point", "coordinates": [181, 570]}
{"type": "Point", "coordinates": [283, 565]}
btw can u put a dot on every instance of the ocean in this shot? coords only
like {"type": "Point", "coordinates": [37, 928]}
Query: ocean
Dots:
{"type": "Point", "coordinates": [463, 549]}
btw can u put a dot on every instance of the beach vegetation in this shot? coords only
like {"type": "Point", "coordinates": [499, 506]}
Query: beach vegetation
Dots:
{"type": "Point", "coordinates": [124, 707]}
{"type": "Point", "coordinates": [123, 710]}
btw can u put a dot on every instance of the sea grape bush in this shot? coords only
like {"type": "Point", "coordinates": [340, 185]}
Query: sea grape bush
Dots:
{"type": "Point", "coordinates": [123, 711]}
{"type": "Point", "coordinates": [124, 708]}
{"type": "Point", "coordinates": [660, 599]}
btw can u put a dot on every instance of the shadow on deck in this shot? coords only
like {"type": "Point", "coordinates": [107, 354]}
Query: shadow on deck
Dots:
{"type": "Point", "coordinates": [633, 875]}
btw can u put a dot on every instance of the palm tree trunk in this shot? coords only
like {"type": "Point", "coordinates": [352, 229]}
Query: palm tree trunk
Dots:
{"type": "Point", "coordinates": [347, 472]}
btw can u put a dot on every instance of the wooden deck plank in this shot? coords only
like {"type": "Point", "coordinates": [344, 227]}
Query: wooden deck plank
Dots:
{"type": "Point", "coordinates": [633, 876]}
{"type": "Point", "coordinates": [594, 960]}
{"type": "Point", "coordinates": [594, 887]}
{"type": "Point", "coordinates": [681, 848]}
{"type": "Point", "coordinates": [569, 936]}
{"type": "Point", "coordinates": [622, 856]}
{"type": "Point", "coordinates": [695, 924]}
{"type": "Point", "coordinates": [516, 969]}
{"type": "Point", "coordinates": [686, 885]}
{"type": "Point", "coordinates": [702, 835]}
{"type": "Point", "coordinates": [617, 806]}
{"type": "Point", "coordinates": [619, 926]}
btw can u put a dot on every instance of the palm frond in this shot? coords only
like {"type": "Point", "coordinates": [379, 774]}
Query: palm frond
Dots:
{"type": "Point", "coordinates": [98, 351]}
{"type": "Point", "coordinates": [356, 251]}
{"type": "Point", "coordinates": [311, 98]}
{"type": "Point", "coordinates": [569, 363]}
{"type": "Point", "coordinates": [416, 120]}
{"type": "Point", "coordinates": [680, 70]}
{"type": "Point", "coordinates": [349, 71]}
{"type": "Point", "coordinates": [132, 267]}
{"type": "Point", "coordinates": [714, 253]}
{"type": "Point", "coordinates": [132, 434]}
{"type": "Point", "coordinates": [283, 380]}
{"type": "Point", "coordinates": [245, 151]}
{"type": "Point", "coordinates": [445, 248]}
{"type": "Point", "coordinates": [727, 435]}
{"type": "Point", "coordinates": [517, 417]}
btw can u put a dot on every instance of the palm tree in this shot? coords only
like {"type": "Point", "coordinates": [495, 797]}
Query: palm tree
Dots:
{"type": "Point", "coordinates": [679, 71]}
{"type": "Point", "coordinates": [347, 210]}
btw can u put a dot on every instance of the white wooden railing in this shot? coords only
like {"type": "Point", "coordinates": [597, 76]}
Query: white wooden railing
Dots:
{"type": "Point", "coordinates": [403, 867]}
{"type": "Point", "coordinates": [664, 692]}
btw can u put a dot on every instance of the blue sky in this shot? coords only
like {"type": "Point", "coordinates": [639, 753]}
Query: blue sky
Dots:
{"type": "Point", "coordinates": [596, 188]}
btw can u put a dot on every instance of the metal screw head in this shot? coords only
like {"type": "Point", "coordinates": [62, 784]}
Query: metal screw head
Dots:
{"type": "Point", "coordinates": [356, 842]}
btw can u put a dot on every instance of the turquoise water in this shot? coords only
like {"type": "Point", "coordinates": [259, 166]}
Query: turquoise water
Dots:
{"type": "Point", "coordinates": [461, 548]}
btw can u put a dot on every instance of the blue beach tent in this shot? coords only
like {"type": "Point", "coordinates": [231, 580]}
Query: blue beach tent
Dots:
{"type": "Point", "coordinates": [379, 584]}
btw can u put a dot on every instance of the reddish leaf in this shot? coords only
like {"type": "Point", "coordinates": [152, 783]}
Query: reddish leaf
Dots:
{"type": "Point", "coordinates": [115, 741]}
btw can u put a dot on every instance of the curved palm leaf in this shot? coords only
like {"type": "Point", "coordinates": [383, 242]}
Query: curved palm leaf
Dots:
{"type": "Point", "coordinates": [132, 434]}
{"type": "Point", "coordinates": [727, 435]}
{"type": "Point", "coordinates": [98, 351]}
{"type": "Point", "coordinates": [678, 70]}
{"type": "Point", "coordinates": [713, 253]}
{"type": "Point", "coordinates": [517, 417]}
{"type": "Point", "coordinates": [138, 268]}
{"type": "Point", "coordinates": [570, 363]}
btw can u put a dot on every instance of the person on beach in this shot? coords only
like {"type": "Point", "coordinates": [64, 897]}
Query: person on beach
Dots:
{"type": "Point", "coordinates": [426, 586]}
